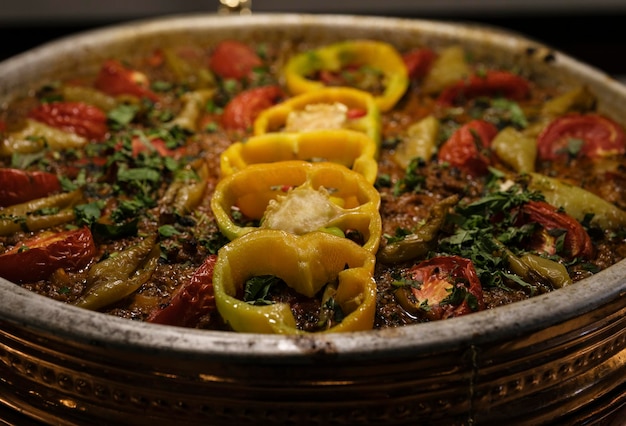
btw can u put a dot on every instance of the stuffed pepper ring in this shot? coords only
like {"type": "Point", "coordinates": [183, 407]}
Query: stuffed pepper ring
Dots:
{"type": "Point", "coordinates": [351, 149]}
{"type": "Point", "coordinates": [373, 66]}
{"type": "Point", "coordinates": [299, 197]}
{"type": "Point", "coordinates": [333, 275]}
{"type": "Point", "coordinates": [325, 108]}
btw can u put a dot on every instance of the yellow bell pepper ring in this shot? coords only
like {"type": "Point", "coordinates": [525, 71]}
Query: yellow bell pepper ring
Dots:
{"type": "Point", "coordinates": [373, 56]}
{"type": "Point", "coordinates": [308, 264]}
{"type": "Point", "coordinates": [351, 149]}
{"type": "Point", "coordinates": [325, 108]}
{"type": "Point", "coordinates": [298, 197]}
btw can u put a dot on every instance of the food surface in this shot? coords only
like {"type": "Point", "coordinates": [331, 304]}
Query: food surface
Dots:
{"type": "Point", "coordinates": [294, 188]}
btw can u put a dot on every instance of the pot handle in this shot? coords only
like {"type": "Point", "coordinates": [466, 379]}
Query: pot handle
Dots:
{"type": "Point", "coordinates": [235, 7]}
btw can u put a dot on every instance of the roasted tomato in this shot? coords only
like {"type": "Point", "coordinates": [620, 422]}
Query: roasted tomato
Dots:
{"type": "Point", "coordinates": [442, 287]}
{"type": "Point", "coordinates": [75, 117]}
{"type": "Point", "coordinates": [468, 147]}
{"type": "Point", "coordinates": [241, 111]}
{"type": "Point", "coordinates": [191, 301]}
{"type": "Point", "coordinates": [37, 258]}
{"type": "Point", "coordinates": [18, 186]}
{"type": "Point", "coordinates": [491, 83]}
{"type": "Point", "coordinates": [553, 225]}
{"type": "Point", "coordinates": [581, 135]}
{"type": "Point", "coordinates": [418, 62]}
{"type": "Point", "coordinates": [115, 79]}
{"type": "Point", "coordinates": [233, 59]}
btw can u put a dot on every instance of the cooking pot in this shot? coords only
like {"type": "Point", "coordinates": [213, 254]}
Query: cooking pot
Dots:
{"type": "Point", "coordinates": [558, 357]}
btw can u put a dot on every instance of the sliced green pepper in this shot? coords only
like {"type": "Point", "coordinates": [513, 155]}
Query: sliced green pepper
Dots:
{"type": "Point", "coordinates": [120, 275]}
{"type": "Point", "coordinates": [380, 56]}
{"type": "Point", "coordinates": [420, 141]}
{"type": "Point", "coordinates": [193, 107]}
{"type": "Point", "coordinates": [351, 149]}
{"type": "Point", "coordinates": [419, 243]}
{"type": "Point", "coordinates": [305, 263]}
{"type": "Point", "coordinates": [449, 67]}
{"type": "Point", "coordinates": [299, 197]}
{"type": "Point", "coordinates": [515, 149]}
{"type": "Point", "coordinates": [578, 202]}
{"type": "Point", "coordinates": [36, 136]}
{"type": "Point", "coordinates": [40, 213]}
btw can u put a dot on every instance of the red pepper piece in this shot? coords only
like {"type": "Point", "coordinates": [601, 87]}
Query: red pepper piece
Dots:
{"type": "Point", "coordinates": [35, 259]}
{"type": "Point", "coordinates": [19, 186]}
{"type": "Point", "coordinates": [491, 83]}
{"type": "Point", "coordinates": [192, 300]}
{"type": "Point", "coordinates": [75, 117]}
{"type": "Point", "coordinates": [115, 79]}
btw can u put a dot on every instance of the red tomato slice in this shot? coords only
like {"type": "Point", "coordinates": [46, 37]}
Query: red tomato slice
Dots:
{"type": "Point", "coordinates": [242, 110]}
{"type": "Point", "coordinates": [600, 137]}
{"type": "Point", "coordinates": [492, 83]}
{"type": "Point", "coordinates": [18, 186]}
{"type": "Point", "coordinates": [468, 147]}
{"type": "Point", "coordinates": [233, 59]}
{"type": "Point", "coordinates": [418, 62]}
{"type": "Point", "coordinates": [577, 242]}
{"type": "Point", "coordinates": [439, 276]}
{"type": "Point", "coordinates": [35, 259]}
{"type": "Point", "coordinates": [115, 79]}
{"type": "Point", "coordinates": [192, 300]}
{"type": "Point", "coordinates": [75, 117]}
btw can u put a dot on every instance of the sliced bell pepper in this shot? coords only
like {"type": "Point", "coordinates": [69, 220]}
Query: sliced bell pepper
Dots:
{"type": "Point", "coordinates": [351, 149]}
{"type": "Point", "coordinates": [325, 108]}
{"type": "Point", "coordinates": [307, 264]}
{"type": "Point", "coordinates": [380, 57]}
{"type": "Point", "coordinates": [299, 197]}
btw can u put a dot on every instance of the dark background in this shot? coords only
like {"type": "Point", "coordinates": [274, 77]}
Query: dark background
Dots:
{"type": "Point", "coordinates": [593, 31]}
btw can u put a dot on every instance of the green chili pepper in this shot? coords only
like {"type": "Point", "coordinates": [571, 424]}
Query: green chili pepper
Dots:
{"type": "Point", "coordinates": [40, 213]}
{"type": "Point", "coordinates": [419, 243]}
{"type": "Point", "coordinates": [120, 275]}
{"type": "Point", "coordinates": [516, 149]}
{"type": "Point", "coordinates": [578, 202]}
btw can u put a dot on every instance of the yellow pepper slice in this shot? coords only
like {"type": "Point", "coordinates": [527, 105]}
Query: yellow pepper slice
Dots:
{"type": "Point", "coordinates": [379, 56]}
{"type": "Point", "coordinates": [351, 149]}
{"type": "Point", "coordinates": [306, 264]}
{"type": "Point", "coordinates": [299, 197]}
{"type": "Point", "coordinates": [327, 113]}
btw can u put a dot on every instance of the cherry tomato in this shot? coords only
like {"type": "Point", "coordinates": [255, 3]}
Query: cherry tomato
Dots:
{"type": "Point", "coordinates": [35, 259]}
{"type": "Point", "coordinates": [468, 147]}
{"type": "Point", "coordinates": [115, 79]}
{"type": "Point", "coordinates": [18, 186]}
{"type": "Point", "coordinates": [192, 300]}
{"type": "Point", "coordinates": [75, 117]}
{"type": "Point", "coordinates": [597, 136]}
{"type": "Point", "coordinates": [242, 110]}
{"type": "Point", "coordinates": [418, 62]}
{"type": "Point", "coordinates": [448, 287]}
{"type": "Point", "coordinates": [233, 59]}
{"type": "Point", "coordinates": [491, 83]}
{"type": "Point", "coordinates": [577, 242]}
